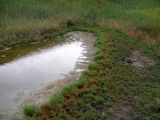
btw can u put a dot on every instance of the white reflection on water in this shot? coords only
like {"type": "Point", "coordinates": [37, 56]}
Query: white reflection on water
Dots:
{"type": "Point", "coordinates": [30, 72]}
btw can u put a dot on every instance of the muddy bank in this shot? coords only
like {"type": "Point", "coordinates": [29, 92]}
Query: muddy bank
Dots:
{"type": "Point", "coordinates": [45, 90]}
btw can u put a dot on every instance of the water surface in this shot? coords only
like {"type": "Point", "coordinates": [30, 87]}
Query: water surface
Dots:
{"type": "Point", "coordinates": [32, 71]}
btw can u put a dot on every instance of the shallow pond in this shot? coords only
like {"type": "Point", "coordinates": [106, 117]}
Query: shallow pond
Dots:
{"type": "Point", "coordinates": [30, 72]}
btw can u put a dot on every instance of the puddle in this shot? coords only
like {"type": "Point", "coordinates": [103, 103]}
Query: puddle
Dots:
{"type": "Point", "coordinates": [34, 71]}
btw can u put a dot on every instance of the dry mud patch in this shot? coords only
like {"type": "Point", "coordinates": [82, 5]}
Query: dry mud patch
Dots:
{"type": "Point", "coordinates": [139, 60]}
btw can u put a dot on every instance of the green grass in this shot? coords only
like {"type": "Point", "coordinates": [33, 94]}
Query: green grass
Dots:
{"type": "Point", "coordinates": [109, 85]}
{"type": "Point", "coordinates": [147, 19]}
{"type": "Point", "coordinates": [29, 15]}
{"type": "Point", "coordinates": [31, 111]}
{"type": "Point", "coordinates": [137, 4]}
{"type": "Point", "coordinates": [22, 22]}
{"type": "Point", "coordinates": [36, 14]}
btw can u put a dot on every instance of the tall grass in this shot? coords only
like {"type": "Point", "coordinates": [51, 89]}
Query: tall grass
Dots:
{"type": "Point", "coordinates": [137, 4]}
{"type": "Point", "coordinates": [22, 15]}
{"type": "Point", "coordinates": [18, 16]}
{"type": "Point", "coordinates": [148, 19]}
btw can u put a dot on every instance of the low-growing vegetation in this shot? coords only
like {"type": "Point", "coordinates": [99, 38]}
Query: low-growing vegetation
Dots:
{"type": "Point", "coordinates": [31, 111]}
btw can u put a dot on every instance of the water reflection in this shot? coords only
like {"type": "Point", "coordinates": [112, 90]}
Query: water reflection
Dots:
{"type": "Point", "coordinates": [32, 71]}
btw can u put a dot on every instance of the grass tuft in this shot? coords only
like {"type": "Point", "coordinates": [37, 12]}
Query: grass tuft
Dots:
{"type": "Point", "coordinates": [31, 111]}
